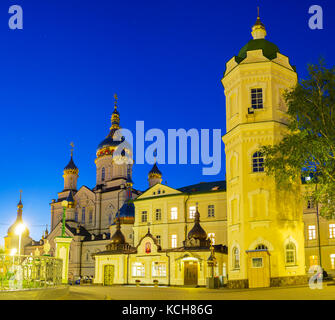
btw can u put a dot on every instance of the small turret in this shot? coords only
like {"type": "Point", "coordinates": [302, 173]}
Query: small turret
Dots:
{"type": "Point", "coordinates": [71, 174]}
{"type": "Point", "coordinates": [154, 176]}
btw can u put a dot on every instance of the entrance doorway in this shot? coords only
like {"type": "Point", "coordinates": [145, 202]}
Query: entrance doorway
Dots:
{"type": "Point", "coordinates": [258, 268]}
{"type": "Point", "coordinates": [190, 273]}
{"type": "Point", "coordinates": [108, 274]}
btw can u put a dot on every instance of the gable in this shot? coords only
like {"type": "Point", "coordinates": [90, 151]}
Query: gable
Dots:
{"type": "Point", "coordinates": [158, 190]}
{"type": "Point", "coordinates": [147, 245]}
{"type": "Point", "coordinates": [84, 194]}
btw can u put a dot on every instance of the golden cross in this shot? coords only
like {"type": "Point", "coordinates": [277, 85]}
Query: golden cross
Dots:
{"type": "Point", "coordinates": [72, 145]}
{"type": "Point", "coordinates": [116, 98]}
{"type": "Point", "coordinates": [257, 12]}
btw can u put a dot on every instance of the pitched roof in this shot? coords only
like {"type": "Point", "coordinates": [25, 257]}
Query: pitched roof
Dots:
{"type": "Point", "coordinates": [205, 187]}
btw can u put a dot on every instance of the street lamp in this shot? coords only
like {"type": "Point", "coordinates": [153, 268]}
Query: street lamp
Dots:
{"type": "Point", "coordinates": [19, 230]}
{"type": "Point", "coordinates": [64, 205]}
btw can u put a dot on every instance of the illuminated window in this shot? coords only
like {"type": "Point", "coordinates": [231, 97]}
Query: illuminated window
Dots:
{"type": "Point", "coordinates": [174, 213]}
{"type": "Point", "coordinates": [158, 214]}
{"type": "Point", "coordinates": [332, 260]}
{"type": "Point", "coordinates": [313, 261]}
{"type": "Point", "coordinates": [159, 269]}
{"type": "Point", "coordinates": [211, 236]}
{"type": "Point", "coordinates": [332, 231]}
{"type": "Point", "coordinates": [174, 241]}
{"type": "Point", "coordinates": [211, 212]}
{"type": "Point", "coordinates": [103, 174]}
{"type": "Point", "coordinates": [257, 162]}
{"type": "Point", "coordinates": [144, 216]}
{"type": "Point", "coordinates": [236, 258]}
{"type": "Point", "coordinates": [83, 215]}
{"type": "Point", "coordinates": [192, 211]}
{"type": "Point", "coordinates": [311, 233]}
{"type": "Point", "coordinates": [257, 98]}
{"type": "Point", "coordinates": [138, 269]}
{"type": "Point", "coordinates": [290, 253]}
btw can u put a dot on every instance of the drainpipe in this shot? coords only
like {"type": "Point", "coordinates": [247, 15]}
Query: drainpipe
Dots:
{"type": "Point", "coordinates": [185, 217]}
{"type": "Point", "coordinates": [318, 224]}
{"type": "Point", "coordinates": [169, 267]}
{"type": "Point", "coordinates": [128, 269]}
{"type": "Point", "coordinates": [81, 253]}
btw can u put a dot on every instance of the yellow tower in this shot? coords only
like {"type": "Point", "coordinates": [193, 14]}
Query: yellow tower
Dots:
{"type": "Point", "coordinates": [265, 226]}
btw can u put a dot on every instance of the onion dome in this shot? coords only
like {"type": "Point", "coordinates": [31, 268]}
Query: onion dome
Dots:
{"type": "Point", "coordinates": [110, 143]}
{"type": "Point", "coordinates": [258, 42]}
{"type": "Point", "coordinates": [19, 220]}
{"type": "Point", "coordinates": [71, 168]}
{"type": "Point", "coordinates": [118, 237]}
{"type": "Point", "coordinates": [154, 172]}
{"type": "Point", "coordinates": [127, 212]}
{"type": "Point", "coordinates": [197, 232]}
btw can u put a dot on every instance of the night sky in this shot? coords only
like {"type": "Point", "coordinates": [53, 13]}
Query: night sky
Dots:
{"type": "Point", "coordinates": [164, 59]}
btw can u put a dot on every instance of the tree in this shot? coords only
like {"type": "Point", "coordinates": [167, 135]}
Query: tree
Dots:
{"type": "Point", "coordinates": [307, 151]}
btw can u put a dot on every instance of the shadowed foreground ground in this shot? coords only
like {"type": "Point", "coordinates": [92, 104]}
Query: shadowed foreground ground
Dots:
{"type": "Point", "coordinates": [164, 293]}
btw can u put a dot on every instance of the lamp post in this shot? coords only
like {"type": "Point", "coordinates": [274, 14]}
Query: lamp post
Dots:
{"type": "Point", "coordinates": [19, 230]}
{"type": "Point", "coordinates": [64, 205]}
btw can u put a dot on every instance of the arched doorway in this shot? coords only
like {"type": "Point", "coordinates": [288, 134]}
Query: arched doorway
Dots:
{"type": "Point", "coordinates": [191, 272]}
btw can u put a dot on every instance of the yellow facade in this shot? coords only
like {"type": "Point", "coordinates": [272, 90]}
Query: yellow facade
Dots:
{"type": "Point", "coordinates": [174, 210]}
{"type": "Point", "coordinates": [259, 215]}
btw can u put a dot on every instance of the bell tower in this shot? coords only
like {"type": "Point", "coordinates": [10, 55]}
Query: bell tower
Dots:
{"type": "Point", "coordinates": [261, 218]}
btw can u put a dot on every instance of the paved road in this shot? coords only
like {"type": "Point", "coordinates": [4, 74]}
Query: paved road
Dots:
{"type": "Point", "coordinates": [151, 293]}
{"type": "Point", "coordinates": [171, 293]}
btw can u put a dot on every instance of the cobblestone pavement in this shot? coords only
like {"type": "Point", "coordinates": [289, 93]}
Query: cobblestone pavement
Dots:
{"type": "Point", "coordinates": [91, 292]}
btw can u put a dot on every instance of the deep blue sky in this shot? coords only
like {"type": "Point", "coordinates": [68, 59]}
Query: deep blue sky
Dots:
{"type": "Point", "coordinates": [164, 59]}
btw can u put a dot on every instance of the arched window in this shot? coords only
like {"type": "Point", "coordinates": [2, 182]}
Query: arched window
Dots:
{"type": "Point", "coordinates": [257, 162]}
{"type": "Point", "coordinates": [83, 215]}
{"type": "Point", "coordinates": [261, 247]}
{"type": "Point", "coordinates": [103, 174]}
{"type": "Point", "coordinates": [76, 216]}
{"type": "Point", "coordinates": [236, 258]}
{"type": "Point", "coordinates": [290, 253]}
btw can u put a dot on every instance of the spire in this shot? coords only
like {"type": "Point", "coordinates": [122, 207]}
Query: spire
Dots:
{"type": "Point", "coordinates": [20, 205]}
{"type": "Point", "coordinates": [197, 232]}
{"type": "Point", "coordinates": [258, 29]}
{"type": "Point", "coordinates": [71, 167]}
{"type": "Point", "coordinates": [115, 116]}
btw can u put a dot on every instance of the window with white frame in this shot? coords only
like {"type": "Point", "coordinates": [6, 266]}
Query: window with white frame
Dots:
{"type": "Point", "coordinates": [257, 162]}
{"type": "Point", "coordinates": [174, 241]}
{"type": "Point", "coordinates": [290, 253]}
{"type": "Point", "coordinates": [144, 216]}
{"type": "Point", "coordinates": [192, 211]}
{"type": "Point", "coordinates": [332, 231]}
{"type": "Point", "coordinates": [310, 204]}
{"type": "Point", "coordinates": [138, 269]}
{"type": "Point", "coordinates": [236, 258]}
{"type": "Point", "coordinates": [159, 269]}
{"type": "Point", "coordinates": [332, 260]}
{"type": "Point", "coordinates": [174, 213]}
{"type": "Point", "coordinates": [211, 236]}
{"type": "Point", "coordinates": [211, 211]}
{"type": "Point", "coordinates": [158, 214]}
{"type": "Point", "coordinates": [257, 98]}
{"type": "Point", "coordinates": [158, 237]}
{"type": "Point", "coordinates": [311, 232]}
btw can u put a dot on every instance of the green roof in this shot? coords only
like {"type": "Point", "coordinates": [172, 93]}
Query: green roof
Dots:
{"type": "Point", "coordinates": [270, 50]}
